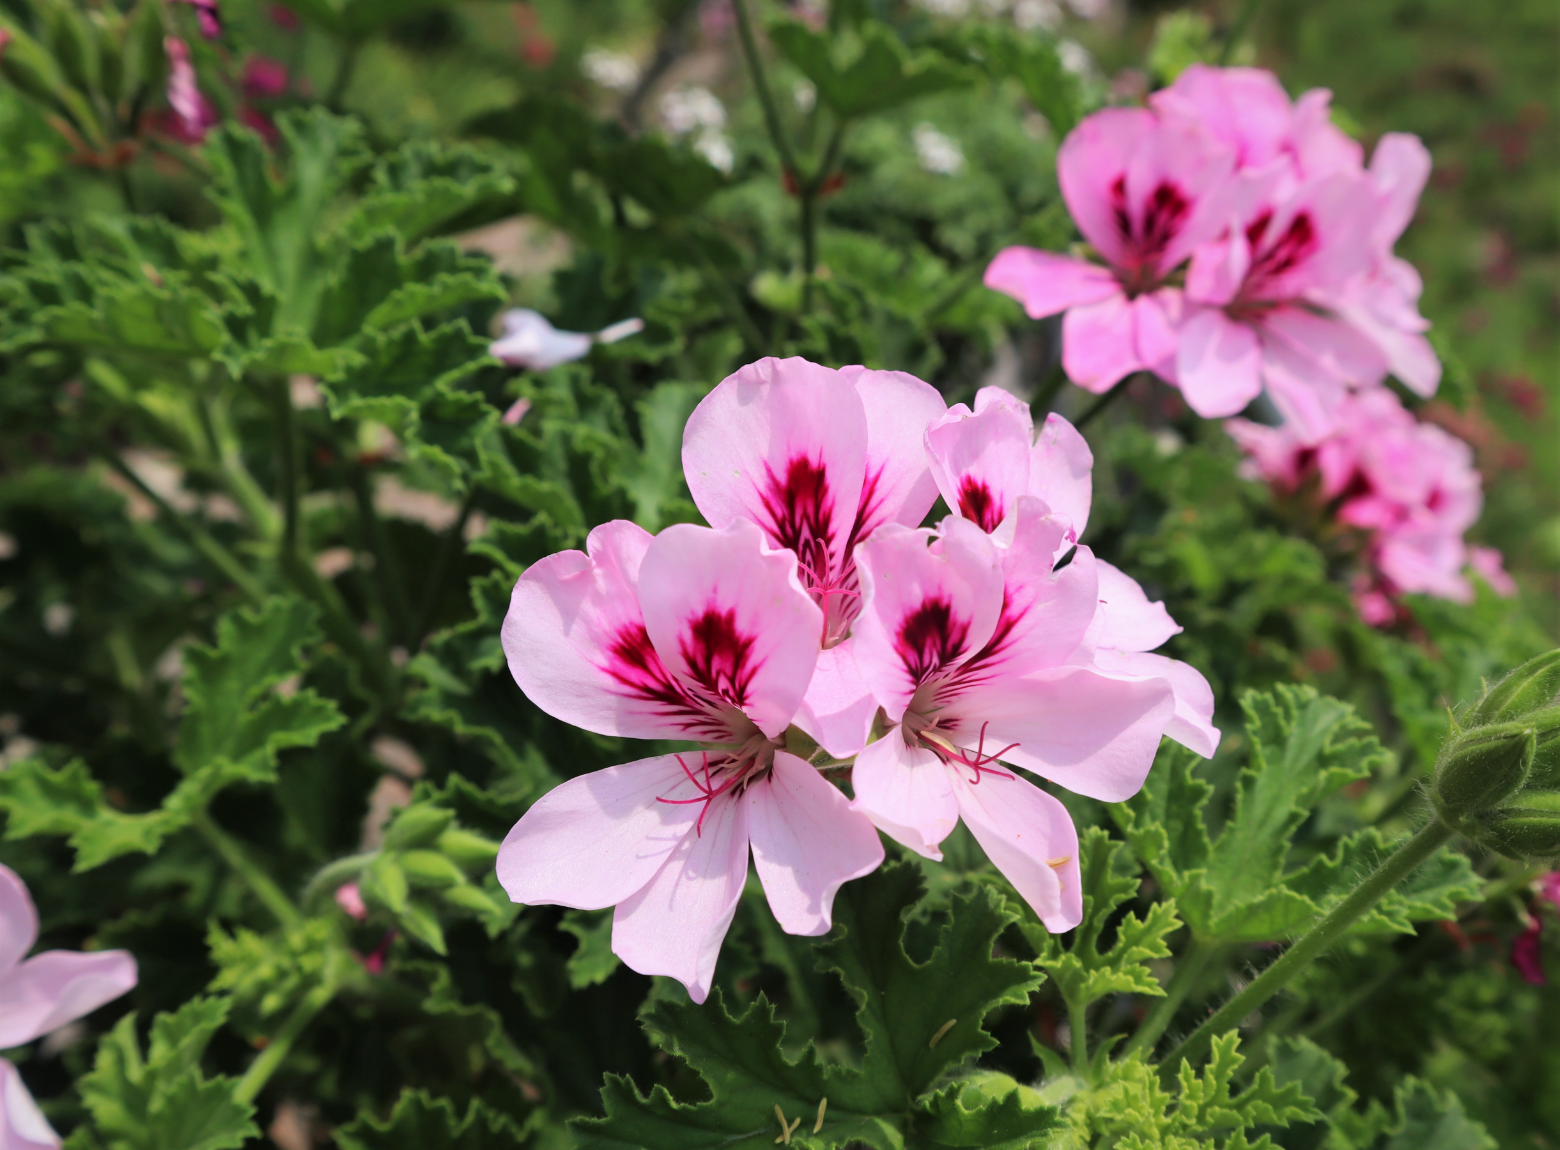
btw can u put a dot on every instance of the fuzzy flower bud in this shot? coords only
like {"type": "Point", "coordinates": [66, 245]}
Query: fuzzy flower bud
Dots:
{"type": "Point", "coordinates": [1480, 767]}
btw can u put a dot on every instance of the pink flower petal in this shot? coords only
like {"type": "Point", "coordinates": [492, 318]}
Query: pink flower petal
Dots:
{"type": "Point", "coordinates": [1192, 724]}
{"type": "Point", "coordinates": [1306, 395]}
{"type": "Point", "coordinates": [1061, 472]}
{"type": "Point", "coordinates": [1336, 348]}
{"type": "Point", "coordinates": [782, 443]}
{"type": "Point", "coordinates": [807, 843]}
{"type": "Point", "coordinates": [1046, 283]}
{"type": "Point", "coordinates": [1399, 168]}
{"type": "Point", "coordinates": [594, 840]}
{"type": "Point", "coordinates": [1093, 734]}
{"type": "Point", "coordinates": [530, 341]}
{"type": "Point", "coordinates": [729, 618]}
{"type": "Point", "coordinates": [1127, 620]}
{"type": "Point", "coordinates": [1091, 159]}
{"type": "Point", "coordinates": [59, 986]}
{"type": "Point", "coordinates": [898, 485]}
{"type": "Point", "coordinates": [1155, 317]}
{"type": "Point", "coordinates": [1491, 567]}
{"type": "Point", "coordinates": [18, 920]}
{"type": "Point", "coordinates": [925, 607]}
{"type": "Point", "coordinates": [907, 792]}
{"type": "Point", "coordinates": [22, 1124]}
{"type": "Point", "coordinates": [1246, 109]}
{"type": "Point", "coordinates": [1219, 363]}
{"type": "Point", "coordinates": [1030, 838]}
{"type": "Point", "coordinates": [577, 645]}
{"type": "Point", "coordinates": [980, 459]}
{"type": "Point", "coordinates": [675, 924]}
{"type": "Point", "coordinates": [1099, 345]}
{"type": "Point", "coordinates": [350, 899]}
{"type": "Point", "coordinates": [1320, 146]}
{"type": "Point", "coordinates": [1527, 955]}
{"type": "Point", "coordinates": [1181, 158]}
{"type": "Point", "coordinates": [1218, 269]}
{"type": "Point", "coordinates": [839, 707]}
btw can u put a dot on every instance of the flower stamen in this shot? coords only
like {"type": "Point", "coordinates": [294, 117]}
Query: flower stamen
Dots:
{"type": "Point", "coordinates": [708, 792]}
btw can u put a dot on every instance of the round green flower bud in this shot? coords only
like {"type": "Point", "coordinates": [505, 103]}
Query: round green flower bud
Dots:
{"type": "Point", "coordinates": [1480, 767]}
{"type": "Point", "coordinates": [1531, 687]}
{"type": "Point", "coordinates": [1525, 826]}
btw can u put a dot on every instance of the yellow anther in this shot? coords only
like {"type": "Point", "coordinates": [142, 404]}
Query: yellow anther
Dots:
{"type": "Point", "coordinates": [941, 1030]}
{"type": "Point", "coordinates": [822, 1106]}
{"type": "Point", "coordinates": [786, 1128]}
{"type": "Point", "coordinates": [1061, 862]}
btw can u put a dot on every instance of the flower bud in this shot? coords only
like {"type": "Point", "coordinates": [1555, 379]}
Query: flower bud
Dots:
{"type": "Point", "coordinates": [1525, 826]}
{"type": "Point", "coordinates": [1480, 767]}
{"type": "Point", "coordinates": [416, 826]}
{"type": "Point", "coordinates": [1531, 687]}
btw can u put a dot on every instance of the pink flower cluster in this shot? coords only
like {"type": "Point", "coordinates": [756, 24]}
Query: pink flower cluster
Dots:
{"type": "Point", "coordinates": [1409, 487]}
{"type": "Point", "coordinates": [38, 995]}
{"type": "Point", "coordinates": [1527, 949]}
{"type": "Point", "coordinates": [815, 612]}
{"type": "Point", "coordinates": [1239, 241]}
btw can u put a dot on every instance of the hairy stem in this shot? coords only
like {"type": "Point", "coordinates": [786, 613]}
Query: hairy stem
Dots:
{"type": "Point", "coordinates": [232, 852]}
{"type": "Point", "coordinates": [281, 1044]}
{"type": "Point", "coordinates": [1311, 945]}
{"type": "Point", "coordinates": [766, 98]}
{"type": "Point", "coordinates": [1078, 1037]}
{"type": "Point", "coordinates": [1187, 971]}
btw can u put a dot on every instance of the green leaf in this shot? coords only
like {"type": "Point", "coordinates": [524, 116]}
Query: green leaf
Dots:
{"type": "Point", "coordinates": [423, 1122]}
{"type": "Point", "coordinates": [163, 1101]}
{"type": "Point", "coordinates": [269, 972]}
{"type": "Point", "coordinates": [1430, 1119]}
{"type": "Point", "coordinates": [1430, 894]}
{"type": "Point", "coordinates": [593, 961]}
{"type": "Point", "coordinates": [39, 800]}
{"type": "Point", "coordinates": [866, 71]}
{"type": "Point", "coordinates": [990, 1111]}
{"type": "Point", "coordinates": [426, 187]}
{"type": "Point", "coordinates": [1033, 61]}
{"type": "Point", "coordinates": [378, 287]}
{"type": "Point", "coordinates": [1080, 970]}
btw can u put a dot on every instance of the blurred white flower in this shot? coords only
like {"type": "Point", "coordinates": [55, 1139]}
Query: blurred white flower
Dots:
{"type": "Point", "coordinates": [616, 71]}
{"type": "Point", "coordinates": [715, 148]}
{"type": "Point", "coordinates": [937, 152]}
{"type": "Point", "coordinates": [995, 7]}
{"type": "Point", "coordinates": [1075, 58]}
{"type": "Point", "coordinates": [7, 546]}
{"type": "Point", "coordinates": [804, 96]}
{"type": "Point", "coordinates": [1043, 14]}
{"type": "Point", "coordinates": [531, 341]}
{"type": "Point", "coordinates": [688, 110]}
{"type": "Point", "coordinates": [1090, 9]}
{"type": "Point", "coordinates": [57, 618]}
{"type": "Point", "coordinates": [944, 7]}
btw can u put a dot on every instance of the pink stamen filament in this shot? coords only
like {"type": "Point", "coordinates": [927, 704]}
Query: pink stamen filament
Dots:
{"type": "Point", "coordinates": [708, 792]}
{"type": "Point", "coordinates": [949, 752]}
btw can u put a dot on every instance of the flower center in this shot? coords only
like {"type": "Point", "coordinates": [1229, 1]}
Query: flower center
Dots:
{"type": "Point", "coordinates": [926, 729]}
{"type": "Point", "coordinates": [725, 769]}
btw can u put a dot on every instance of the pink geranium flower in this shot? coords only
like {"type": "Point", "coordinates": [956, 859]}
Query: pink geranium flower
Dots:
{"type": "Point", "coordinates": [981, 653]}
{"type": "Point", "coordinates": [193, 116]}
{"type": "Point", "coordinates": [697, 634]}
{"type": "Point", "coordinates": [987, 461]}
{"type": "Point", "coordinates": [1144, 190]}
{"type": "Point", "coordinates": [819, 459]}
{"type": "Point", "coordinates": [1301, 293]}
{"type": "Point", "coordinates": [1408, 487]}
{"type": "Point", "coordinates": [209, 16]}
{"type": "Point", "coordinates": [38, 995]}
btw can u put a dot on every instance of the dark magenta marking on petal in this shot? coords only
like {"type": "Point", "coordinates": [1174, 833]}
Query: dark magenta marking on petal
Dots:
{"type": "Point", "coordinates": [978, 505]}
{"type": "Point", "coordinates": [1164, 214]}
{"type": "Point", "coordinates": [930, 637]}
{"type": "Point", "coordinates": [1296, 245]}
{"type": "Point", "coordinates": [800, 507]}
{"type": "Point", "coordinates": [635, 664]}
{"type": "Point", "coordinates": [719, 656]}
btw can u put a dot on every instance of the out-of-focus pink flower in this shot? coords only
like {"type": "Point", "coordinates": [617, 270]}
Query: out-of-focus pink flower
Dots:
{"type": "Point", "coordinates": [284, 17]}
{"type": "Point", "coordinates": [5, 39]}
{"type": "Point", "coordinates": [1410, 487]}
{"type": "Point", "coordinates": [988, 463]}
{"type": "Point", "coordinates": [982, 653]}
{"type": "Point", "coordinates": [1145, 191]}
{"type": "Point", "coordinates": [40, 994]}
{"type": "Point", "coordinates": [350, 899]}
{"type": "Point", "coordinates": [209, 15]}
{"type": "Point", "coordinates": [516, 411]}
{"type": "Point", "coordinates": [193, 116]}
{"type": "Point", "coordinates": [1527, 954]}
{"type": "Point", "coordinates": [1490, 565]}
{"type": "Point", "coordinates": [531, 341]}
{"type": "Point", "coordinates": [264, 78]}
{"type": "Point", "coordinates": [1549, 888]}
{"type": "Point", "coordinates": [695, 634]}
{"type": "Point", "coordinates": [818, 459]}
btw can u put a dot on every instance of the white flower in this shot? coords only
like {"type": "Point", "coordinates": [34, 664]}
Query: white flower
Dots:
{"type": "Point", "coordinates": [616, 71]}
{"type": "Point", "coordinates": [530, 341]}
{"type": "Point", "coordinates": [937, 152]}
{"type": "Point", "coordinates": [1043, 14]}
{"type": "Point", "coordinates": [1075, 58]}
{"type": "Point", "coordinates": [804, 96]}
{"type": "Point", "coordinates": [687, 110]}
{"type": "Point", "coordinates": [1090, 9]}
{"type": "Point", "coordinates": [715, 148]}
{"type": "Point", "coordinates": [945, 7]}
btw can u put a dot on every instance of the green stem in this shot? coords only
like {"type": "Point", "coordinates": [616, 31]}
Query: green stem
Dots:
{"type": "Point", "coordinates": [1101, 404]}
{"type": "Point", "coordinates": [235, 476]}
{"type": "Point", "coordinates": [1238, 32]}
{"type": "Point", "coordinates": [1397, 866]}
{"type": "Point", "coordinates": [1187, 971]}
{"type": "Point", "coordinates": [232, 852]}
{"type": "Point", "coordinates": [810, 194]}
{"type": "Point", "coordinates": [216, 554]}
{"type": "Point", "coordinates": [281, 1044]}
{"type": "Point", "coordinates": [334, 874]}
{"type": "Point", "coordinates": [345, 66]}
{"type": "Point", "coordinates": [766, 98]}
{"type": "Point", "coordinates": [1078, 1037]}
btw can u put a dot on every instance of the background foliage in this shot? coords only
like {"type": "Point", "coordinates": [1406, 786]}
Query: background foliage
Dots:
{"type": "Point", "coordinates": [260, 513]}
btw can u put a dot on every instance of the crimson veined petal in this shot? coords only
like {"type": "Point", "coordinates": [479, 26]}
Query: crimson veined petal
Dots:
{"type": "Point", "coordinates": [730, 619]}
{"type": "Point", "coordinates": [1030, 838]}
{"type": "Point", "coordinates": [980, 459]}
{"type": "Point", "coordinates": [594, 840]}
{"type": "Point", "coordinates": [926, 606]}
{"type": "Point", "coordinates": [807, 842]}
{"type": "Point", "coordinates": [897, 485]}
{"type": "Point", "coordinates": [18, 919]}
{"type": "Point", "coordinates": [674, 924]}
{"type": "Point", "coordinates": [59, 986]}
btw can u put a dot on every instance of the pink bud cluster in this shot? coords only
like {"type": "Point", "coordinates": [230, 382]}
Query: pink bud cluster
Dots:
{"type": "Point", "coordinates": [1407, 488]}
{"type": "Point", "coordinates": [39, 995]}
{"type": "Point", "coordinates": [1239, 242]}
{"type": "Point", "coordinates": [815, 622]}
